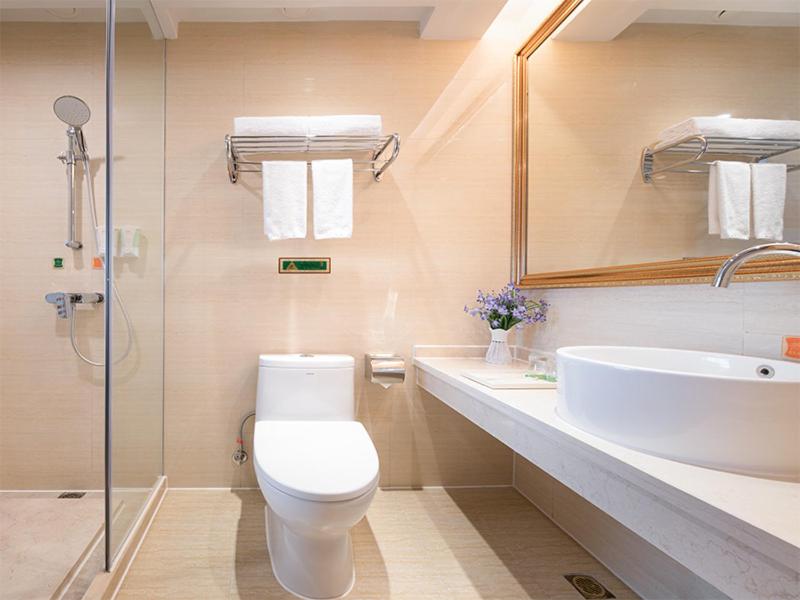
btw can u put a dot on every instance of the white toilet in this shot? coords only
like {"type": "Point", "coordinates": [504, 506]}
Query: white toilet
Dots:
{"type": "Point", "coordinates": [316, 466]}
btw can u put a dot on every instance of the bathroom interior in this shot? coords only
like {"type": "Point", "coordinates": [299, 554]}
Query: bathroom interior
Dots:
{"type": "Point", "coordinates": [400, 299]}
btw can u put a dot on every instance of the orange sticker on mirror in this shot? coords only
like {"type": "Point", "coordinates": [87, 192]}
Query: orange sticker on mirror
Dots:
{"type": "Point", "coordinates": [791, 347]}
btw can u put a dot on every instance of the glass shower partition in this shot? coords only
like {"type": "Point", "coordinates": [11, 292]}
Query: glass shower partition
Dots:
{"type": "Point", "coordinates": [135, 385]}
{"type": "Point", "coordinates": [58, 405]}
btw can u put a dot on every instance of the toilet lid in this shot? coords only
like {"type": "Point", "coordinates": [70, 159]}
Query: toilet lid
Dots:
{"type": "Point", "coordinates": [316, 460]}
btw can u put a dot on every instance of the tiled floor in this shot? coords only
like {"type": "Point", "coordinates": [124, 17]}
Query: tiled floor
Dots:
{"type": "Point", "coordinates": [418, 544]}
{"type": "Point", "coordinates": [43, 539]}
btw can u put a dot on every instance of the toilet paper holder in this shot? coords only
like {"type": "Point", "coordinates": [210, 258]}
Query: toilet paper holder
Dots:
{"type": "Point", "coordinates": [385, 369]}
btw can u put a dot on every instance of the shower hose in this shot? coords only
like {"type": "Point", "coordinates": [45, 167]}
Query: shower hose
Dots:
{"type": "Point", "coordinates": [90, 191]}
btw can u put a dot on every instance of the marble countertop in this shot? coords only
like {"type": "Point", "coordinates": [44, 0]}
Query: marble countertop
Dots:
{"type": "Point", "coordinates": [762, 510]}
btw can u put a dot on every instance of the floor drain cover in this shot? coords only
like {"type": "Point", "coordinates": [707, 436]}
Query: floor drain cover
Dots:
{"type": "Point", "coordinates": [588, 586]}
{"type": "Point", "coordinates": [72, 494]}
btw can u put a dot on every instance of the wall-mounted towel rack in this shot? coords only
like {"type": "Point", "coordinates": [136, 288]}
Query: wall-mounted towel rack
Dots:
{"type": "Point", "coordinates": [242, 150]}
{"type": "Point", "coordinates": [697, 147]}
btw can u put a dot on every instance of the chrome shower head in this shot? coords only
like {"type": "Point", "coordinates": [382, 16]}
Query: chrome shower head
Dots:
{"type": "Point", "coordinates": [72, 110]}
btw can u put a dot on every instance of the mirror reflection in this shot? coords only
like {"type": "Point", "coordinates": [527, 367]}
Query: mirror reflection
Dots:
{"type": "Point", "coordinates": [663, 131]}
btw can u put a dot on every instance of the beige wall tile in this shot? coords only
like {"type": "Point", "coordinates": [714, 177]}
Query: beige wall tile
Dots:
{"type": "Point", "coordinates": [51, 403]}
{"type": "Point", "coordinates": [434, 230]}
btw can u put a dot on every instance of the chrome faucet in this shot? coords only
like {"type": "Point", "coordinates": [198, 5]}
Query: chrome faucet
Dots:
{"type": "Point", "coordinates": [725, 273]}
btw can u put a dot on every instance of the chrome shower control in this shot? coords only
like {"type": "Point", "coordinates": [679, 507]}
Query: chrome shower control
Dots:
{"type": "Point", "coordinates": [65, 300]}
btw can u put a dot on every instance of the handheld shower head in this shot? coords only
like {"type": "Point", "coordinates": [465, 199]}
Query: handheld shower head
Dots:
{"type": "Point", "coordinates": [72, 110]}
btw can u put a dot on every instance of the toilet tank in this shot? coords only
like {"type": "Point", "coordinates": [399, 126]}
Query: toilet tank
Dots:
{"type": "Point", "coordinates": [305, 387]}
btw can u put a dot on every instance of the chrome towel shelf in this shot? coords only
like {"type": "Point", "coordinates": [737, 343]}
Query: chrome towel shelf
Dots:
{"type": "Point", "coordinates": [696, 148]}
{"type": "Point", "coordinates": [242, 150]}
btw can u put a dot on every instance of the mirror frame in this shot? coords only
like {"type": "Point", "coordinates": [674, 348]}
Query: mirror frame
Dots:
{"type": "Point", "coordinates": [668, 272]}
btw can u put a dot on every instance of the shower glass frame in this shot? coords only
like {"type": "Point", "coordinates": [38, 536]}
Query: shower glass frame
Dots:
{"type": "Point", "coordinates": [125, 428]}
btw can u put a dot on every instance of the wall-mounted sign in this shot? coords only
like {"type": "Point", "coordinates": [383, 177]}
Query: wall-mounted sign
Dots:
{"type": "Point", "coordinates": [304, 265]}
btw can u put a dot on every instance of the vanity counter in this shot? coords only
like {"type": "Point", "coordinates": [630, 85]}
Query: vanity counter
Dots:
{"type": "Point", "coordinates": [739, 533]}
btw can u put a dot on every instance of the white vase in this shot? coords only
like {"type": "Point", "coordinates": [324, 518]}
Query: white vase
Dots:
{"type": "Point", "coordinates": [499, 353]}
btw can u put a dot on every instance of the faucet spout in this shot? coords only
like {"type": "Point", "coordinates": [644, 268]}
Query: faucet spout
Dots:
{"type": "Point", "coordinates": [725, 273]}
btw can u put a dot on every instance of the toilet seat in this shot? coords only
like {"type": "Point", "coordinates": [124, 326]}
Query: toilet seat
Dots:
{"type": "Point", "coordinates": [322, 461]}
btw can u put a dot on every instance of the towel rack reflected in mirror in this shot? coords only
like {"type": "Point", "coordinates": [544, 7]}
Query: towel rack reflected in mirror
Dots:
{"type": "Point", "coordinates": [695, 148]}
{"type": "Point", "coordinates": [243, 150]}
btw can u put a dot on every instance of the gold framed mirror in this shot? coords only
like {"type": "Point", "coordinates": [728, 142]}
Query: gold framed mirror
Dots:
{"type": "Point", "coordinates": [595, 200]}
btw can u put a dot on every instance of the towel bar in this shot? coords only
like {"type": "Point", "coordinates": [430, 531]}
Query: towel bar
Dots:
{"type": "Point", "coordinates": [240, 148]}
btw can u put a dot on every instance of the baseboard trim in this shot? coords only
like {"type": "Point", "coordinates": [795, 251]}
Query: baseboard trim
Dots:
{"type": "Point", "coordinates": [387, 488]}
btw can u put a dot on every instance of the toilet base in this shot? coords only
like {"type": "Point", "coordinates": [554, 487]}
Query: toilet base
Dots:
{"type": "Point", "coordinates": [311, 565]}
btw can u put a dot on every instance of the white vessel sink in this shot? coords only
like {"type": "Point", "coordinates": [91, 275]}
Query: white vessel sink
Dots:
{"type": "Point", "coordinates": [723, 411]}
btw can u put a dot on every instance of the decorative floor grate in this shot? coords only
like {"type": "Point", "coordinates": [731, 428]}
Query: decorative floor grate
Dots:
{"type": "Point", "coordinates": [72, 494]}
{"type": "Point", "coordinates": [588, 586]}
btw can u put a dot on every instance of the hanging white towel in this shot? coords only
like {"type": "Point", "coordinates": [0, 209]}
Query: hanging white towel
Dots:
{"type": "Point", "coordinates": [285, 198]}
{"type": "Point", "coordinates": [281, 126]}
{"type": "Point", "coordinates": [768, 183]}
{"type": "Point", "coordinates": [729, 200]}
{"type": "Point", "coordinates": [333, 198]}
{"type": "Point", "coordinates": [345, 125]}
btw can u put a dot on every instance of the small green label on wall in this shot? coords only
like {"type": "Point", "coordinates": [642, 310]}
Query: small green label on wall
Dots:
{"type": "Point", "coordinates": [58, 263]}
{"type": "Point", "coordinates": [304, 265]}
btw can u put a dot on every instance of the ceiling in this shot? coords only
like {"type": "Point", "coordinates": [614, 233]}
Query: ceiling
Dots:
{"type": "Point", "coordinates": [437, 19]}
{"type": "Point", "coordinates": [603, 20]}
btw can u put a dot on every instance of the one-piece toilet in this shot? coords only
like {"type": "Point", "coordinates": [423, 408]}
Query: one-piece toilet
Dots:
{"type": "Point", "coordinates": [316, 466]}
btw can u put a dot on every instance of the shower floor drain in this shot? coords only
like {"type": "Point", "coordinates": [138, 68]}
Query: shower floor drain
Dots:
{"type": "Point", "coordinates": [588, 586]}
{"type": "Point", "coordinates": [72, 494]}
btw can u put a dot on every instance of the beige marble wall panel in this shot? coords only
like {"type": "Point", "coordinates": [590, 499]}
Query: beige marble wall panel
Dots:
{"type": "Point", "coordinates": [747, 318]}
{"type": "Point", "coordinates": [647, 570]}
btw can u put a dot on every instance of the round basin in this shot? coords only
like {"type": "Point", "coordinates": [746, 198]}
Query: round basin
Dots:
{"type": "Point", "coordinates": [724, 411]}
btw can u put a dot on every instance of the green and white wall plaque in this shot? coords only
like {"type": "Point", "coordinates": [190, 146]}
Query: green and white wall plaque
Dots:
{"type": "Point", "coordinates": [304, 265]}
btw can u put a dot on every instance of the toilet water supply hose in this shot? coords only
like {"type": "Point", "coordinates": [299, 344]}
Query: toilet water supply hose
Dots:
{"type": "Point", "coordinates": [240, 454]}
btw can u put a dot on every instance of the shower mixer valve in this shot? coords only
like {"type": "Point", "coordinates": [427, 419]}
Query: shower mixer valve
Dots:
{"type": "Point", "coordinates": [64, 301]}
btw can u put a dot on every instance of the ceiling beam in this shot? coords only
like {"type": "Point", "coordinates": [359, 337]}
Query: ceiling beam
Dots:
{"type": "Point", "coordinates": [460, 19]}
{"type": "Point", "coordinates": [167, 22]}
{"type": "Point", "coordinates": [604, 20]}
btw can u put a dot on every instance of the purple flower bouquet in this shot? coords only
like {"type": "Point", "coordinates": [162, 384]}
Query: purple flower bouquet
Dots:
{"type": "Point", "coordinates": [502, 311]}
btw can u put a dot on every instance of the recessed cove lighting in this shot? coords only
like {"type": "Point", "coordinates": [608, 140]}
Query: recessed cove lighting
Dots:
{"type": "Point", "coordinates": [295, 13]}
{"type": "Point", "coordinates": [62, 13]}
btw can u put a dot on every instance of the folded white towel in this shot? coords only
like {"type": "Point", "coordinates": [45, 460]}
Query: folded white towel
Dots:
{"type": "Point", "coordinates": [768, 184]}
{"type": "Point", "coordinates": [285, 198]}
{"type": "Point", "coordinates": [281, 126]}
{"type": "Point", "coordinates": [345, 125]}
{"type": "Point", "coordinates": [333, 198]}
{"type": "Point", "coordinates": [729, 200]}
{"type": "Point", "coordinates": [729, 127]}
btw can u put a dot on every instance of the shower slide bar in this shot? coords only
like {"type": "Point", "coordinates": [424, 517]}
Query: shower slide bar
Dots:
{"type": "Point", "coordinates": [240, 148]}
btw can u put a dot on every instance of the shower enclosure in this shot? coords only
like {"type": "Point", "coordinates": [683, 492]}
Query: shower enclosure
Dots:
{"type": "Point", "coordinates": [81, 314]}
